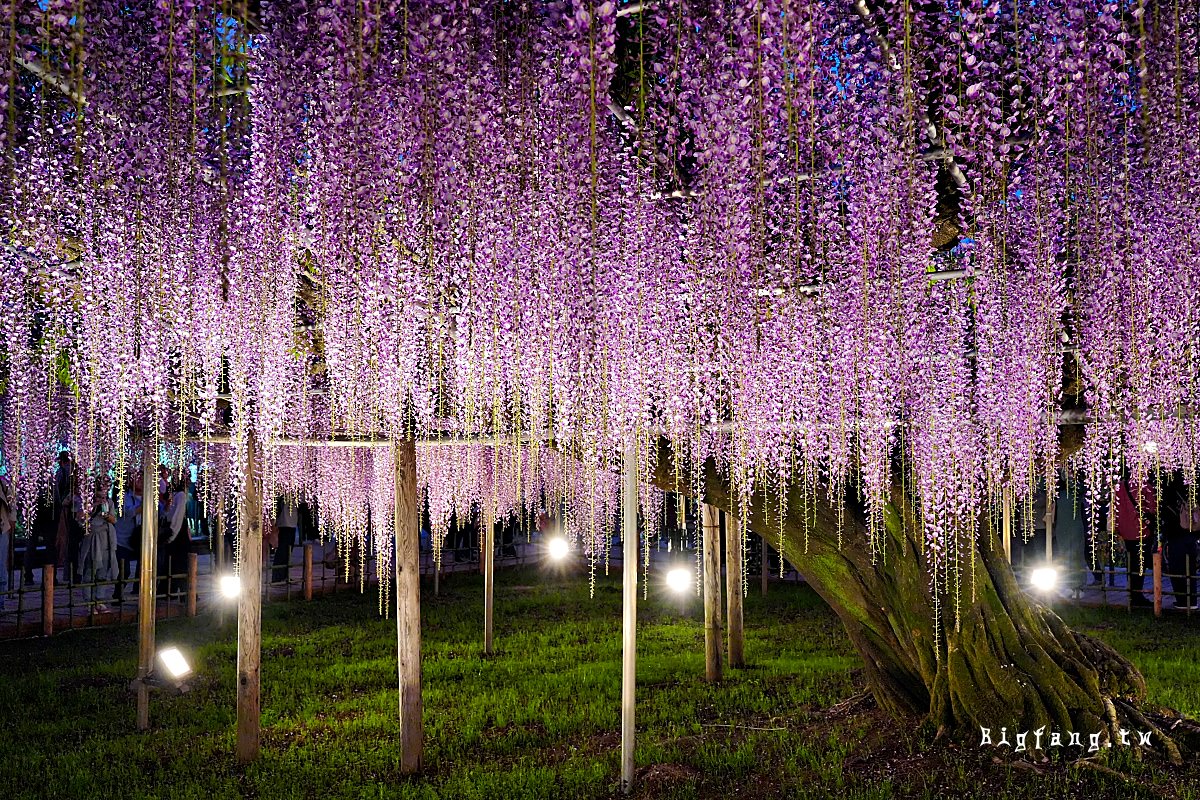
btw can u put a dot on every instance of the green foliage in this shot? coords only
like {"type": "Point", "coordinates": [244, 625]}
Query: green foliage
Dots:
{"type": "Point", "coordinates": [538, 720]}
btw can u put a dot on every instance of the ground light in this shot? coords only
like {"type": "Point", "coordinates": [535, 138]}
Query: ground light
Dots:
{"type": "Point", "coordinates": [175, 664]}
{"type": "Point", "coordinates": [230, 585]}
{"type": "Point", "coordinates": [679, 580]}
{"type": "Point", "coordinates": [559, 548]}
{"type": "Point", "coordinates": [1044, 579]}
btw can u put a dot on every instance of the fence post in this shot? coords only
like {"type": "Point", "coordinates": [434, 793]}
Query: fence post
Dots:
{"type": "Point", "coordinates": [48, 600]}
{"type": "Point", "coordinates": [193, 575]}
{"type": "Point", "coordinates": [308, 570]}
{"type": "Point", "coordinates": [1157, 560]}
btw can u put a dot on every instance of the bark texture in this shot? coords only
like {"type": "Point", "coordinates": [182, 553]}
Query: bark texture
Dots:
{"type": "Point", "coordinates": [1002, 660]}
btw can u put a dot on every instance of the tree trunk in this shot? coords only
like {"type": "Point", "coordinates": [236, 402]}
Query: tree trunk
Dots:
{"type": "Point", "coordinates": [1002, 660]}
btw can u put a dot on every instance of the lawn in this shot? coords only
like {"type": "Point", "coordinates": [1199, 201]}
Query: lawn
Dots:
{"type": "Point", "coordinates": [539, 719]}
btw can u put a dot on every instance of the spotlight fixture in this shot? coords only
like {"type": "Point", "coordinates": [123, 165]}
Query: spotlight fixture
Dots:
{"type": "Point", "coordinates": [174, 662]}
{"type": "Point", "coordinates": [170, 674]}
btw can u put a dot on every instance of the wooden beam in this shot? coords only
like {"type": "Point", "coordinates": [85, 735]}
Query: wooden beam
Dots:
{"type": "Point", "coordinates": [408, 607]}
{"type": "Point", "coordinates": [629, 567]}
{"type": "Point", "coordinates": [146, 582]}
{"type": "Point", "coordinates": [710, 524]}
{"type": "Point", "coordinates": [250, 612]}
{"type": "Point", "coordinates": [734, 553]}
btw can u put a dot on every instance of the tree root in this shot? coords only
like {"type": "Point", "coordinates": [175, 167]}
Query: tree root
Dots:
{"type": "Point", "coordinates": [1096, 766]}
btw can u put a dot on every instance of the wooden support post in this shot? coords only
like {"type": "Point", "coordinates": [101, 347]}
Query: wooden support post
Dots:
{"type": "Point", "coordinates": [193, 577]}
{"type": "Point", "coordinates": [711, 528]}
{"type": "Point", "coordinates": [1006, 524]}
{"type": "Point", "coordinates": [48, 571]}
{"type": "Point", "coordinates": [1157, 559]}
{"type": "Point", "coordinates": [629, 568]}
{"type": "Point", "coordinates": [147, 568]}
{"type": "Point", "coordinates": [766, 565]}
{"type": "Point", "coordinates": [1049, 526]}
{"type": "Point", "coordinates": [249, 654]}
{"type": "Point", "coordinates": [488, 557]}
{"type": "Point", "coordinates": [308, 570]}
{"type": "Point", "coordinates": [733, 590]}
{"type": "Point", "coordinates": [408, 606]}
{"type": "Point", "coordinates": [218, 542]}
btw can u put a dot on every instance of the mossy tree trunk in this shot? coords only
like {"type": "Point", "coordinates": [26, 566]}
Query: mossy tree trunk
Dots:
{"type": "Point", "coordinates": [1001, 660]}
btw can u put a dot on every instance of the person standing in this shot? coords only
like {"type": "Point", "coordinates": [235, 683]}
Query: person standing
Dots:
{"type": "Point", "coordinates": [178, 541]}
{"type": "Point", "coordinates": [1180, 522]}
{"type": "Point", "coordinates": [1136, 507]}
{"type": "Point", "coordinates": [8, 529]}
{"type": "Point", "coordinates": [286, 520]}
{"type": "Point", "coordinates": [129, 534]}
{"type": "Point", "coordinates": [63, 494]}
{"type": "Point", "coordinates": [98, 548]}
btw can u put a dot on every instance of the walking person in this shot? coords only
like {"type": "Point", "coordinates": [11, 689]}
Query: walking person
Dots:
{"type": "Point", "coordinates": [1136, 508]}
{"type": "Point", "coordinates": [129, 538]}
{"type": "Point", "coordinates": [8, 529]}
{"type": "Point", "coordinates": [98, 547]}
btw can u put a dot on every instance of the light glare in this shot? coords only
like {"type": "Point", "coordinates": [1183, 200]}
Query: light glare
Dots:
{"type": "Point", "coordinates": [174, 661]}
{"type": "Point", "coordinates": [1044, 578]}
{"type": "Point", "coordinates": [559, 547]}
{"type": "Point", "coordinates": [679, 580]}
{"type": "Point", "coordinates": [231, 586]}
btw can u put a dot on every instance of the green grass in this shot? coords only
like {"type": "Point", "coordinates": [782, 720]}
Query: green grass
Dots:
{"type": "Point", "coordinates": [539, 719]}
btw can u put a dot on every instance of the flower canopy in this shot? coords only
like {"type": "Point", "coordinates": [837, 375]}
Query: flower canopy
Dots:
{"type": "Point", "coordinates": [828, 243]}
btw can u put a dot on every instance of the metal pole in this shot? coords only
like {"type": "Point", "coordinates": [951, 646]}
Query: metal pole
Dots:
{"type": "Point", "coordinates": [1006, 524]}
{"type": "Point", "coordinates": [629, 566]}
{"type": "Point", "coordinates": [146, 583]}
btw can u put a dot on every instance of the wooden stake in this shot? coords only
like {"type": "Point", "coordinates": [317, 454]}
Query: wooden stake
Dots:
{"type": "Point", "coordinates": [1049, 527]}
{"type": "Point", "coordinates": [48, 571]}
{"type": "Point", "coordinates": [193, 577]}
{"type": "Point", "coordinates": [308, 570]}
{"type": "Point", "coordinates": [766, 565]}
{"type": "Point", "coordinates": [250, 612]}
{"type": "Point", "coordinates": [1157, 560]}
{"type": "Point", "coordinates": [146, 583]}
{"type": "Point", "coordinates": [408, 606]}
{"type": "Point", "coordinates": [733, 590]}
{"type": "Point", "coordinates": [488, 557]}
{"type": "Point", "coordinates": [629, 568]}
{"type": "Point", "coordinates": [711, 525]}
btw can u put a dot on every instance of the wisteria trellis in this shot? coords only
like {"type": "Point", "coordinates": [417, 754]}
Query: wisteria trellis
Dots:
{"type": "Point", "coordinates": [564, 223]}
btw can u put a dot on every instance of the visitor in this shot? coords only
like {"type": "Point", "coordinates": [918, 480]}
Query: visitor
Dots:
{"type": "Point", "coordinates": [286, 520]}
{"type": "Point", "coordinates": [98, 549]}
{"type": "Point", "coordinates": [1136, 507]}
{"type": "Point", "coordinates": [164, 496]}
{"type": "Point", "coordinates": [178, 542]}
{"type": "Point", "coordinates": [129, 538]}
{"type": "Point", "coordinates": [8, 529]}
{"type": "Point", "coordinates": [63, 494]}
{"type": "Point", "coordinates": [1180, 523]}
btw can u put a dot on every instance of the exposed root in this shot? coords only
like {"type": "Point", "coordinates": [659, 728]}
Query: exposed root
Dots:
{"type": "Point", "coordinates": [1096, 766]}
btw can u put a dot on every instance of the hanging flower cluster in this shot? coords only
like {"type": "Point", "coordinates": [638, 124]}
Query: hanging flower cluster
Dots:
{"type": "Point", "coordinates": [839, 246]}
